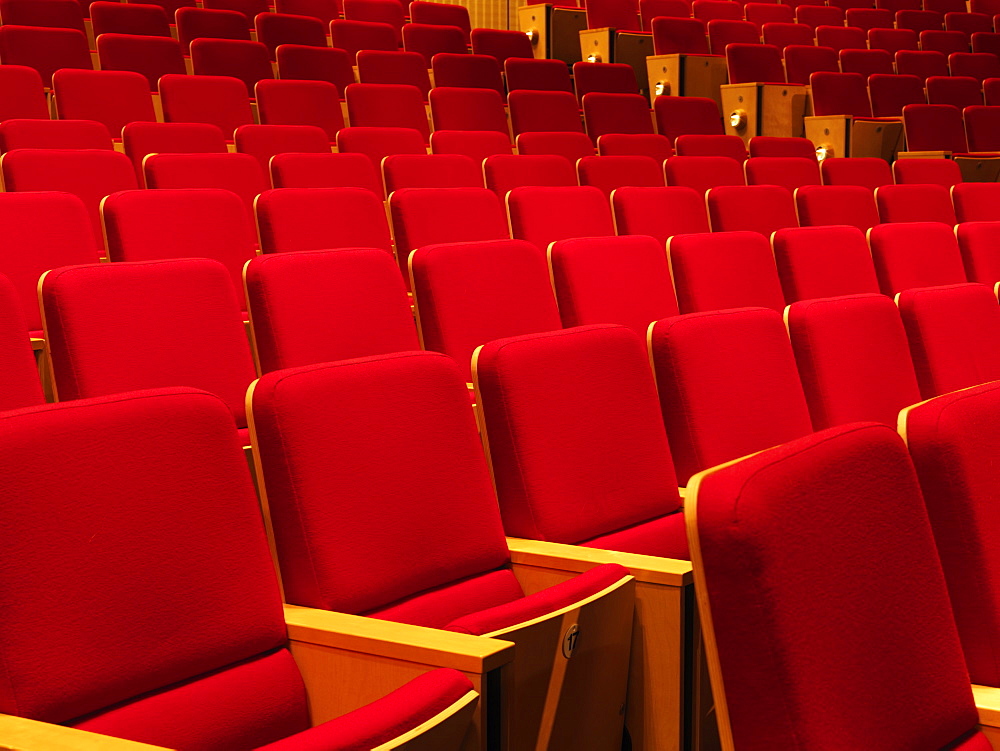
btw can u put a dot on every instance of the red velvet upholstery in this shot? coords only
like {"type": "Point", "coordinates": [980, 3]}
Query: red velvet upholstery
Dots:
{"type": "Point", "coordinates": [889, 668]}
{"type": "Point", "coordinates": [125, 18]}
{"type": "Point", "coordinates": [870, 18]}
{"type": "Point", "coordinates": [324, 10]}
{"type": "Point", "coordinates": [386, 12]}
{"type": "Point", "coordinates": [915, 254]}
{"type": "Point", "coordinates": [840, 94]}
{"type": "Point", "coordinates": [454, 108]}
{"type": "Point", "coordinates": [977, 64]}
{"type": "Point", "coordinates": [89, 174]}
{"type": "Point", "coordinates": [327, 305]}
{"type": "Point", "coordinates": [503, 173]}
{"type": "Point", "coordinates": [679, 35]}
{"type": "Point", "coordinates": [724, 270]}
{"type": "Point", "coordinates": [822, 205]}
{"type": "Point", "coordinates": [981, 126]}
{"type": "Point", "coordinates": [378, 143]}
{"type": "Point", "coordinates": [42, 231]}
{"type": "Point", "coordinates": [934, 127]}
{"type": "Point", "coordinates": [150, 225]}
{"type": "Point", "coordinates": [239, 173]}
{"type": "Point", "coordinates": [142, 138]}
{"type": "Point", "coordinates": [578, 449]}
{"type": "Point", "coordinates": [537, 75]}
{"type": "Point", "coordinates": [943, 172]}
{"type": "Point", "coordinates": [570, 146]}
{"type": "Point", "coordinates": [604, 14]}
{"type": "Point", "coordinates": [616, 113]}
{"type": "Point", "coordinates": [123, 326]}
{"type": "Point", "coordinates": [659, 212]}
{"type": "Point", "coordinates": [623, 280]}
{"type": "Point", "coordinates": [54, 134]}
{"type": "Point", "coordinates": [958, 91]}
{"type": "Point", "coordinates": [980, 243]}
{"type": "Point", "coordinates": [297, 62]}
{"type": "Point", "coordinates": [801, 61]}
{"type": "Point", "coordinates": [463, 71]}
{"type": "Point", "coordinates": [865, 61]}
{"type": "Point", "coordinates": [725, 31]}
{"type": "Point", "coordinates": [892, 40]}
{"type": "Point", "coordinates": [817, 15]}
{"type": "Point", "coordinates": [114, 98]}
{"type": "Point", "coordinates": [265, 141]}
{"type": "Point", "coordinates": [727, 384]}
{"type": "Point", "coordinates": [611, 172]}
{"type": "Point", "coordinates": [762, 13]}
{"type": "Point", "coordinates": [781, 34]}
{"type": "Point", "coordinates": [952, 440]}
{"type": "Point", "coordinates": [542, 215]}
{"type": "Point", "coordinates": [501, 44]}
{"type": "Point", "coordinates": [21, 387]}
{"type": "Point", "coordinates": [953, 332]}
{"type": "Point", "coordinates": [759, 208]}
{"type": "Point", "coordinates": [430, 39]}
{"type": "Point", "coordinates": [430, 171]}
{"type": "Point", "coordinates": [467, 294]}
{"type": "Point", "coordinates": [842, 37]}
{"type": "Point", "coordinates": [218, 100]}
{"type": "Point", "coordinates": [23, 93]}
{"type": "Point", "coordinates": [314, 103]}
{"type": "Point", "coordinates": [915, 203]}
{"type": "Point", "coordinates": [193, 23]}
{"type": "Point", "coordinates": [387, 105]}
{"type": "Point", "coordinates": [151, 56]}
{"type": "Point", "coordinates": [61, 14]}
{"type": "Point", "coordinates": [155, 496]}
{"type": "Point", "coordinates": [681, 115]}
{"type": "Point", "coordinates": [853, 359]}
{"type": "Point", "coordinates": [45, 50]}
{"type": "Point", "coordinates": [291, 219]}
{"type": "Point", "coordinates": [703, 144]}
{"type": "Point", "coordinates": [976, 202]}
{"type": "Point", "coordinates": [653, 145]}
{"type": "Point", "coordinates": [787, 171]}
{"type": "Point", "coordinates": [610, 78]}
{"type": "Point", "coordinates": [249, 8]}
{"type": "Point", "coordinates": [771, 146]}
{"type": "Point", "coordinates": [890, 94]}
{"type": "Point", "coordinates": [475, 144]}
{"type": "Point", "coordinates": [753, 63]}
{"type": "Point", "coordinates": [868, 172]}
{"type": "Point", "coordinates": [396, 67]}
{"type": "Point", "coordinates": [343, 170]}
{"type": "Point", "coordinates": [701, 173]}
{"type": "Point", "coordinates": [823, 262]}
{"type": "Point", "coordinates": [923, 65]}
{"type": "Point", "coordinates": [543, 110]}
{"type": "Point", "coordinates": [284, 28]}
{"type": "Point", "coordinates": [354, 36]}
{"type": "Point", "coordinates": [247, 61]}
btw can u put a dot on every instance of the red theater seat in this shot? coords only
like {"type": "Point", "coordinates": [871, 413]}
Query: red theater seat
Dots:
{"type": "Point", "coordinates": [23, 94]}
{"type": "Point", "coordinates": [354, 36]}
{"type": "Point", "coordinates": [313, 103]}
{"type": "Point", "coordinates": [505, 172]}
{"type": "Point", "coordinates": [386, 12]}
{"type": "Point", "coordinates": [57, 14]}
{"type": "Point", "coordinates": [291, 219]}
{"type": "Point", "coordinates": [54, 134]}
{"type": "Point", "coordinates": [45, 50]}
{"type": "Point", "coordinates": [801, 61]}
{"type": "Point", "coordinates": [915, 203]}
{"type": "Point", "coordinates": [607, 78]}
{"type": "Point", "coordinates": [542, 215]}
{"type": "Point", "coordinates": [823, 205]}
{"type": "Point", "coordinates": [865, 62]}
{"type": "Point", "coordinates": [297, 62]}
{"type": "Point", "coordinates": [324, 10]}
{"type": "Point", "coordinates": [783, 34]}
{"type": "Point", "coordinates": [378, 143]}
{"type": "Point", "coordinates": [454, 108]}
{"type": "Point", "coordinates": [537, 75]}
{"type": "Point", "coordinates": [274, 29]}
{"type": "Point", "coordinates": [194, 23]}
{"type": "Point", "coordinates": [724, 270]}
{"type": "Point", "coordinates": [475, 144]}
{"type": "Point", "coordinates": [982, 125]}
{"type": "Point", "coordinates": [247, 61]}
{"type": "Point", "coordinates": [891, 94]}
{"type": "Point", "coordinates": [703, 172]}
{"type": "Point", "coordinates": [789, 172]}
{"type": "Point", "coordinates": [467, 71]}
{"type": "Point", "coordinates": [612, 172]}
{"type": "Point", "coordinates": [468, 294]}
{"type": "Point", "coordinates": [926, 172]}
{"type": "Point", "coordinates": [140, 139]}
{"type": "Point", "coordinates": [543, 110]}
{"type": "Point", "coordinates": [263, 142]}
{"type": "Point", "coordinates": [653, 145]}
{"type": "Point", "coordinates": [441, 14]}
{"type": "Point", "coordinates": [313, 307]}
{"type": "Point", "coordinates": [727, 385]}
{"type": "Point", "coordinates": [395, 67]}
{"type": "Point", "coordinates": [570, 146]}
{"type": "Point", "coordinates": [853, 359]}
{"type": "Point", "coordinates": [431, 39]}
{"type": "Point", "coordinates": [249, 8]}
{"type": "Point", "coordinates": [682, 115]}
{"type": "Point", "coordinates": [771, 146]}
{"type": "Point", "coordinates": [151, 56]}
{"type": "Point", "coordinates": [217, 100]}
{"type": "Point", "coordinates": [659, 212]}
{"type": "Point", "coordinates": [818, 262]}
{"type": "Point", "coordinates": [372, 105]}
{"type": "Point", "coordinates": [616, 113]}
{"type": "Point", "coordinates": [976, 202]}
{"type": "Point", "coordinates": [758, 208]}
{"type": "Point", "coordinates": [623, 280]}
{"type": "Point", "coordinates": [868, 172]}
{"type": "Point", "coordinates": [934, 127]}
{"type": "Point", "coordinates": [21, 387]}
{"type": "Point", "coordinates": [325, 171]}
{"type": "Point", "coordinates": [915, 254]}
{"type": "Point", "coordinates": [430, 171]}
{"type": "Point", "coordinates": [980, 246]}
{"type": "Point", "coordinates": [115, 98]}
{"type": "Point", "coordinates": [700, 144]}
{"type": "Point", "coordinates": [501, 44]}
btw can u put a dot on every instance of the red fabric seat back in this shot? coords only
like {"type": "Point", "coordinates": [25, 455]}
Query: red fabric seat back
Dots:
{"type": "Point", "coordinates": [575, 438]}
{"type": "Point", "coordinates": [58, 14]}
{"type": "Point", "coordinates": [343, 170]}
{"type": "Point", "coordinates": [727, 384]}
{"type": "Point", "coordinates": [609, 78]}
{"type": "Point", "coordinates": [976, 202]}
{"type": "Point", "coordinates": [686, 36]}
{"type": "Point", "coordinates": [354, 36]}
{"type": "Point", "coordinates": [378, 143]}
{"type": "Point", "coordinates": [263, 142]}
{"type": "Point", "coordinates": [790, 172]}
{"type": "Point", "coordinates": [430, 39]}
{"type": "Point", "coordinates": [944, 42]}
{"type": "Point", "coordinates": [140, 139]}
{"type": "Point", "coordinates": [115, 98]}
{"type": "Point", "coordinates": [818, 15]}
{"type": "Point", "coordinates": [978, 243]}
{"type": "Point", "coordinates": [774, 595]}
{"type": "Point", "coordinates": [313, 307]}
{"type": "Point", "coordinates": [622, 280]}
{"type": "Point", "coordinates": [218, 100]}
{"type": "Point", "coordinates": [892, 40]}
{"type": "Point", "coordinates": [274, 29]}
{"type": "Point", "coordinates": [387, 106]}
{"type": "Point", "coordinates": [818, 262]}
{"type": "Point", "coordinates": [542, 215]}
{"type": "Point", "coordinates": [772, 146]}
{"type": "Point", "coordinates": [604, 14]}
{"type": "Point", "coordinates": [754, 63]}
{"type": "Point", "coordinates": [867, 172]}
{"type": "Point", "coordinates": [907, 204]}
{"type": "Point", "coordinates": [149, 55]}
{"type": "Point", "coordinates": [537, 75]}
{"type": "Point", "coordinates": [354, 443]}
{"type": "Point", "coordinates": [324, 10]}
{"type": "Point", "coordinates": [505, 172]}
{"type": "Point", "coordinates": [616, 113]}
{"type": "Point", "coordinates": [724, 270]}
{"type": "Point", "coordinates": [701, 173]}
{"type": "Point", "coordinates": [981, 126]}
{"type": "Point", "coordinates": [659, 212]}
{"type": "Point", "coordinates": [853, 359]}
{"type": "Point", "coordinates": [430, 171]}
{"type": "Point", "coordinates": [247, 61]}
{"type": "Point", "coordinates": [870, 18]}
{"type": "Point", "coordinates": [543, 110]}
{"type": "Point", "coordinates": [396, 67]}
{"type": "Point", "coordinates": [249, 8]}
{"type": "Point", "coordinates": [461, 71]}
{"type": "Point", "coordinates": [915, 254]}
{"type": "Point", "coordinates": [441, 14]}
{"type": "Point", "coordinates": [701, 144]}
{"type": "Point", "coordinates": [889, 94]}
{"type": "Point", "coordinates": [193, 23]}
{"type": "Point", "coordinates": [298, 62]}
{"type": "Point", "coordinates": [313, 103]}
{"type": "Point", "coordinates": [802, 61]}
{"type": "Point", "coordinates": [840, 94]}
{"type": "Point", "coordinates": [475, 144]}
{"type": "Point", "coordinates": [978, 65]}
{"type": "Point", "coordinates": [45, 50]}
{"type": "Point", "coordinates": [455, 108]}
{"type": "Point", "coordinates": [611, 172]}
{"type": "Point", "coordinates": [23, 93]}
{"type": "Point", "coordinates": [927, 172]}
{"type": "Point", "coordinates": [782, 34]}
{"type": "Point", "coordinates": [501, 44]}
{"type": "Point", "coordinates": [54, 134]}
{"type": "Point", "coordinates": [570, 146]}
{"type": "Point", "coordinates": [388, 12]}
{"type": "Point", "coordinates": [934, 127]}
{"type": "Point", "coordinates": [292, 219]}
{"type": "Point", "coordinates": [760, 14]}
{"type": "Point", "coordinates": [653, 145]}
{"type": "Point", "coordinates": [151, 225]}
{"type": "Point", "coordinates": [757, 208]}
{"type": "Point", "coordinates": [842, 37]}
{"type": "Point", "coordinates": [822, 205]}
{"type": "Point", "coordinates": [921, 64]}
{"type": "Point", "coordinates": [865, 62]}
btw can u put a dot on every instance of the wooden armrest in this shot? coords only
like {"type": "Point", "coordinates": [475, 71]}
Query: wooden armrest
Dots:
{"type": "Point", "coordinates": [574, 558]}
{"type": "Point", "coordinates": [19, 734]}
{"type": "Point", "coordinates": [988, 703]}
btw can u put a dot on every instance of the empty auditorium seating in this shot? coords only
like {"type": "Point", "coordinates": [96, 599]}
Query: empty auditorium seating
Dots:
{"type": "Point", "coordinates": [291, 219]}
{"type": "Point", "coordinates": [724, 270]}
{"type": "Point", "coordinates": [207, 224]}
{"type": "Point", "coordinates": [778, 626]}
{"type": "Point", "coordinates": [151, 56]}
{"type": "Point", "coordinates": [781, 34]}
{"type": "Point", "coordinates": [504, 172]}
{"type": "Point", "coordinates": [387, 105]}
{"type": "Point", "coordinates": [852, 205]}
{"type": "Point", "coordinates": [475, 144]}
{"type": "Point", "coordinates": [926, 171]}
{"type": "Point", "coordinates": [419, 403]}
{"type": "Point", "coordinates": [653, 145]}
{"type": "Point", "coordinates": [616, 113]}
{"type": "Point", "coordinates": [611, 172]}
{"type": "Point", "coordinates": [501, 44]}
{"type": "Point", "coordinates": [127, 18]}
{"type": "Point", "coordinates": [247, 61]}
{"type": "Point", "coordinates": [303, 63]}
{"type": "Point", "coordinates": [142, 138]}
{"type": "Point", "coordinates": [944, 42]}
{"type": "Point", "coordinates": [264, 141]}
{"type": "Point", "coordinates": [124, 327]}
{"type": "Point", "coordinates": [468, 294]}
{"type": "Point", "coordinates": [762, 13]}
{"type": "Point", "coordinates": [958, 91]}
{"type": "Point", "coordinates": [703, 172]}
{"type": "Point", "coordinates": [249, 8]}
{"type": "Point", "coordinates": [61, 14]}
{"type": "Point", "coordinates": [397, 67]}
{"type": "Point", "coordinates": [727, 384]}
{"type": "Point", "coordinates": [430, 171]}
{"type": "Point", "coordinates": [193, 23]}
{"type": "Point", "coordinates": [114, 98]}
{"type": "Point", "coordinates": [978, 65]}
{"type": "Point", "coordinates": [802, 61]}
{"type": "Point", "coordinates": [770, 146]}
{"type": "Point", "coordinates": [354, 36]}
{"type": "Point", "coordinates": [853, 359]}
{"type": "Point", "coordinates": [659, 212]}
{"type": "Point", "coordinates": [54, 134]}
{"type": "Point", "coordinates": [537, 75]}
{"type": "Point", "coordinates": [300, 103]}
{"type": "Point", "coordinates": [685, 36]}
{"type": "Point", "coordinates": [921, 64]}
{"type": "Point", "coordinates": [325, 171]}
{"type": "Point", "coordinates": [542, 215]}
{"type": "Point", "coordinates": [865, 62]}
{"type": "Point", "coordinates": [23, 95]}
{"type": "Point", "coordinates": [622, 280]}
{"type": "Point", "coordinates": [723, 32]}
{"type": "Point", "coordinates": [870, 18]}
{"type": "Point", "coordinates": [377, 11]}
{"type": "Point", "coordinates": [952, 332]}
{"type": "Point", "coordinates": [841, 38]}
{"type": "Point", "coordinates": [274, 29]}
{"type": "Point", "coordinates": [867, 172]}
{"type": "Point", "coordinates": [313, 307]}
{"type": "Point", "coordinates": [915, 203]}
{"type": "Point", "coordinates": [430, 39]}
{"type": "Point", "coordinates": [758, 208]}
{"type": "Point", "coordinates": [543, 111]}
{"type": "Point", "coordinates": [45, 50]}
{"type": "Point", "coordinates": [676, 116]}
{"type": "Point", "coordinates": [891, 94]}
{"type": "Point", "coordinates": [698, 144]}
{"type": "Point", "coordinates": [168, 668]}
{"type": "Point", "coordinates": [788, 172]}
{"type": "Point", "coordinates": [976, 202]}
{"type": "Point", "coordinates": [467, 71]}
{"type": "Point", "coordinates": [454, 108]}
{"type": "Point", "coordinates": [570, 146]}
{"type": "Point", "coordinates": [218, 100]}
{"type": "Point", "coordinates": [934, 127]}
{"type": "Point", "coordinates": [608, 78]}
{"type": "Point", "coordinates": [915, 254]}
{"type": "Point", "coordinates": [892, 40]}
{"type": "Point", "coordinates": [441, 14]}
{"type": "Point", "coordinates": [89, 174]}
{"type": "Point", "coordinates": [816, 262]}
{"type": "Point", "coordinates": [378, 143]}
